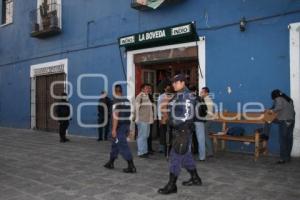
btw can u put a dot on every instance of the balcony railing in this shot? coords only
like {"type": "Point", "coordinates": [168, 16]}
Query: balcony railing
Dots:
{"type": "Point", "coordinates": [46, 20]}
{"type": "Point", "coordinates": [139, 4]}
{"type": "Point", "coordinates": [150, 4]}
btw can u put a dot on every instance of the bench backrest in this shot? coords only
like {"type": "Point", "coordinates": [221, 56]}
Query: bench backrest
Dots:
{"type": "Point", "coordinates": [233, 117]}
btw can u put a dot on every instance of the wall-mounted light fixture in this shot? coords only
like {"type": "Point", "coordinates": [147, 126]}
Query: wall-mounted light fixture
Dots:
{"type": "Point", "coordinates": [243, 23]}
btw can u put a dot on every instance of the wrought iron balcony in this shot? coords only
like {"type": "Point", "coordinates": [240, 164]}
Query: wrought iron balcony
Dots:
{"type": "Point", "coordinates": [46, 20]}
{"type": "Point", "coordinates": [150, 4]}
{"type": "Point", "coordinates": [139, 4]}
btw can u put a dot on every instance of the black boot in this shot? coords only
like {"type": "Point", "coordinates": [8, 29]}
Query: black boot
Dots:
{"type": "Point", "coordinates": [170, 187]}
{"type": "Point", "coordinates": [110, 164]}
{"type": "Point", "coordinates": [194, 180]}
{"type": "Point", "coordinates": [131, 168]}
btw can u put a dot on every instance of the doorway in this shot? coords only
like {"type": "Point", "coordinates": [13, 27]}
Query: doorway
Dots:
{"type": "Point", "coordinates": [157, 74]}
{"type": "Point", "coordinates": [152, 65]}
{"type": "Point", "coordinates": [44, 100]}
{"type": "Point", "coordinates": [191, 51]}
{"type": "Point", "coordinates": [42, 75]}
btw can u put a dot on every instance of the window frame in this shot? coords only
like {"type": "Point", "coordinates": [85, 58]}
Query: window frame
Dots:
{"type": "Point", "coordinates": [58, 2]}
{"type": "Point", "coordinates": [7, 22]}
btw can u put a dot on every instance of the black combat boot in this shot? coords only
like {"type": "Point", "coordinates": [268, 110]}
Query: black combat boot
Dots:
{"type": "Point", "coordinates": [110, 164]}
{"type": "Point", "coordinates": [170, 187]}
{"type": "Point", "coordinates": [131, 168]}
{"type": "Point", "coordinates": [194, 180]}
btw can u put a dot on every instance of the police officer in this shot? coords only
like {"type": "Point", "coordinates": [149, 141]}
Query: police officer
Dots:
{"type": "Point", "coordinates": [120, 128]}
{"type": "Point", "coordinates": [181, 121]}
{"type": "Point", "coordinates": [63, 112]}
{"type": "Point", "coordinates": [102, 114]}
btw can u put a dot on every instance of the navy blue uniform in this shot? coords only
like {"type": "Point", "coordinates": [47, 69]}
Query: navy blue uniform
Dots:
{"type": "Point", "coordinates": [120, 144]}
{"type": "Point", "coordinates": [106, 101]}
{"type": "Point", "coordinates": [63, 111]}
{"type": "Point", "coordinates": [181, 119]}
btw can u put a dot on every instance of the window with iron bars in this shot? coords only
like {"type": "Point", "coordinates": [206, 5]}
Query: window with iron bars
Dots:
{"type": "Point", "coordinates": [7, 11]}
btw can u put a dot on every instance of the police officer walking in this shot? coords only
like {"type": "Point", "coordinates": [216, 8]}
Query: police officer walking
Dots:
{"type": "Point", "coordinates": [181, 121]}
{"type": "Point", "coordinates": [120, 128]}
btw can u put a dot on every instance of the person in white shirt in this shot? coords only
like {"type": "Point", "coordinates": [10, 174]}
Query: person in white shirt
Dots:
{"type": "Point", "coordinates": [210, 114]}
{"type": "Point", "coordinates": [144, 117]}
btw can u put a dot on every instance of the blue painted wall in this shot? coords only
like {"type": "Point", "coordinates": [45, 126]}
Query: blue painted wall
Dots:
{"type": "Point", "coordinates": [251, 63]}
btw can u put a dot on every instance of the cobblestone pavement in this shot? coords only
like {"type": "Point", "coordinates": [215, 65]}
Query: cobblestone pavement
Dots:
{"type": "Point", "coordinates": [35, 166]}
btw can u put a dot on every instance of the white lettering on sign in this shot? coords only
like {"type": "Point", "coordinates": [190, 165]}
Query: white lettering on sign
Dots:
{"type": "Point", "coordinates": [127, 40]}
{"type": "Point", "coordinates": [49, 70]}
{"type": "Point", "coordinates": [152, 35]}
{"type": "Point", "coordinates": [181, 30]}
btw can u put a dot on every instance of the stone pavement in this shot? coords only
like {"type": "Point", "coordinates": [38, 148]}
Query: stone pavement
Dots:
{"type": "Point", "coordinates": [35, 166]}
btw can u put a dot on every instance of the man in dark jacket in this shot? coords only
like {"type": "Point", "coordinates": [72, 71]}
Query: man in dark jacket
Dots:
{"type": "Point", "coordinates": [181, 120]}
{"type": "Point", "coordinates": [104, 114]}
{"type": "Point", "coordinates": [63, 113]}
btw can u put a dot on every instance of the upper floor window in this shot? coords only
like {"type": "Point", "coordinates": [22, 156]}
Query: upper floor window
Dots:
{"type": "Point", "coordinates": [7, 11]}
{"type": "Point", "coordinates": [46, 18]}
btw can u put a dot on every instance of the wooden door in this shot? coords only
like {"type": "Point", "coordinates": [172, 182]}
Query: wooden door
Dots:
{"type": "Point", "coordinates": [41, 104]}
{"type": "Point", "coordinates": [44, 101]}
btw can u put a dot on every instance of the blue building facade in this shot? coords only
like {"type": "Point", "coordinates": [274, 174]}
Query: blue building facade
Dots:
{"type": "Point", "coordinates": [240, 66]}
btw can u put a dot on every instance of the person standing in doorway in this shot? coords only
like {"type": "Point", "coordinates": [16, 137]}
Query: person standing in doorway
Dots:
{"type": "Point", "coordinates": [162, 111]}
{"type": "Point", "coordinates": [144, 117]}
{"type": "Point", "coordinates": [104, 115]}
{"type": "Point", "coordinates": [181, 120]}
{"type": "Point", "coordinates": [209, 116]}
{"type": "Point", "coordinates": [121, 114]}
{"type": "Point", "coordinates": [200, 114]}
{"type": "Point", "coordinates": [63, 112]}
{"type": "Point", "coordinates": [152, 126]}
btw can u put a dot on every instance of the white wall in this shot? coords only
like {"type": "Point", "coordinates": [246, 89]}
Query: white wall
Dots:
{"type": "Point", "coordinates": [295, 81]}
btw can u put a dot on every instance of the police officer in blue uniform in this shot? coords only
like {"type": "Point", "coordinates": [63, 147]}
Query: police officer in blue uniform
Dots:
{"type": "Point", "coordinates": [120, 128]}
{"type": "Point", "coordinates": [181, 121]}
{"type": "Point", "coordinates": [63, 112]}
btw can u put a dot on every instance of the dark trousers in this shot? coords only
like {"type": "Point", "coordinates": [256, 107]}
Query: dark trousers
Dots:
{"type": "Point", "coordinates": [120, 145]}
{"type": "Point", "coordinates": [63, 126]}
{"type": "Point", "coordinates": [169, 140]}
{"type": "Point", "coordinates": [149, 140]}
{"type": "Point", "coordinates": [165, 138]}
{"type": "Point", "coordinates": [162, 134]}
{"type": "Point", "coordinates": [177, 161]}
{"type": "Point", "coordinates": [103, 130]}
{"type": "Point", "coordinates": [195, 143]}
{"type": "Point", "coordinates": [286, 129]}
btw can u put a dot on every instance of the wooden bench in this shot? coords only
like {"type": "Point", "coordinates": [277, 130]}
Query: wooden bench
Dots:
{"type": "Point", "coordinates": [244, 118]}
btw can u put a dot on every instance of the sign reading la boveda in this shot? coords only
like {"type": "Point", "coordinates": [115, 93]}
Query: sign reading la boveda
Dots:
{"type": "Point", "coordinates": [152, 35]}
{"type": "Point", "coordinates": [185, 32]}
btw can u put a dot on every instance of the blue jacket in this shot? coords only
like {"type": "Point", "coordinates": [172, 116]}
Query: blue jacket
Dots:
{"type": "Point", "coordinates": [182, 109]}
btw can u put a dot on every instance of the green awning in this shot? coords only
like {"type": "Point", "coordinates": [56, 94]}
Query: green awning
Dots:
{"type": "Point", "coordinates": [165, 36]}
